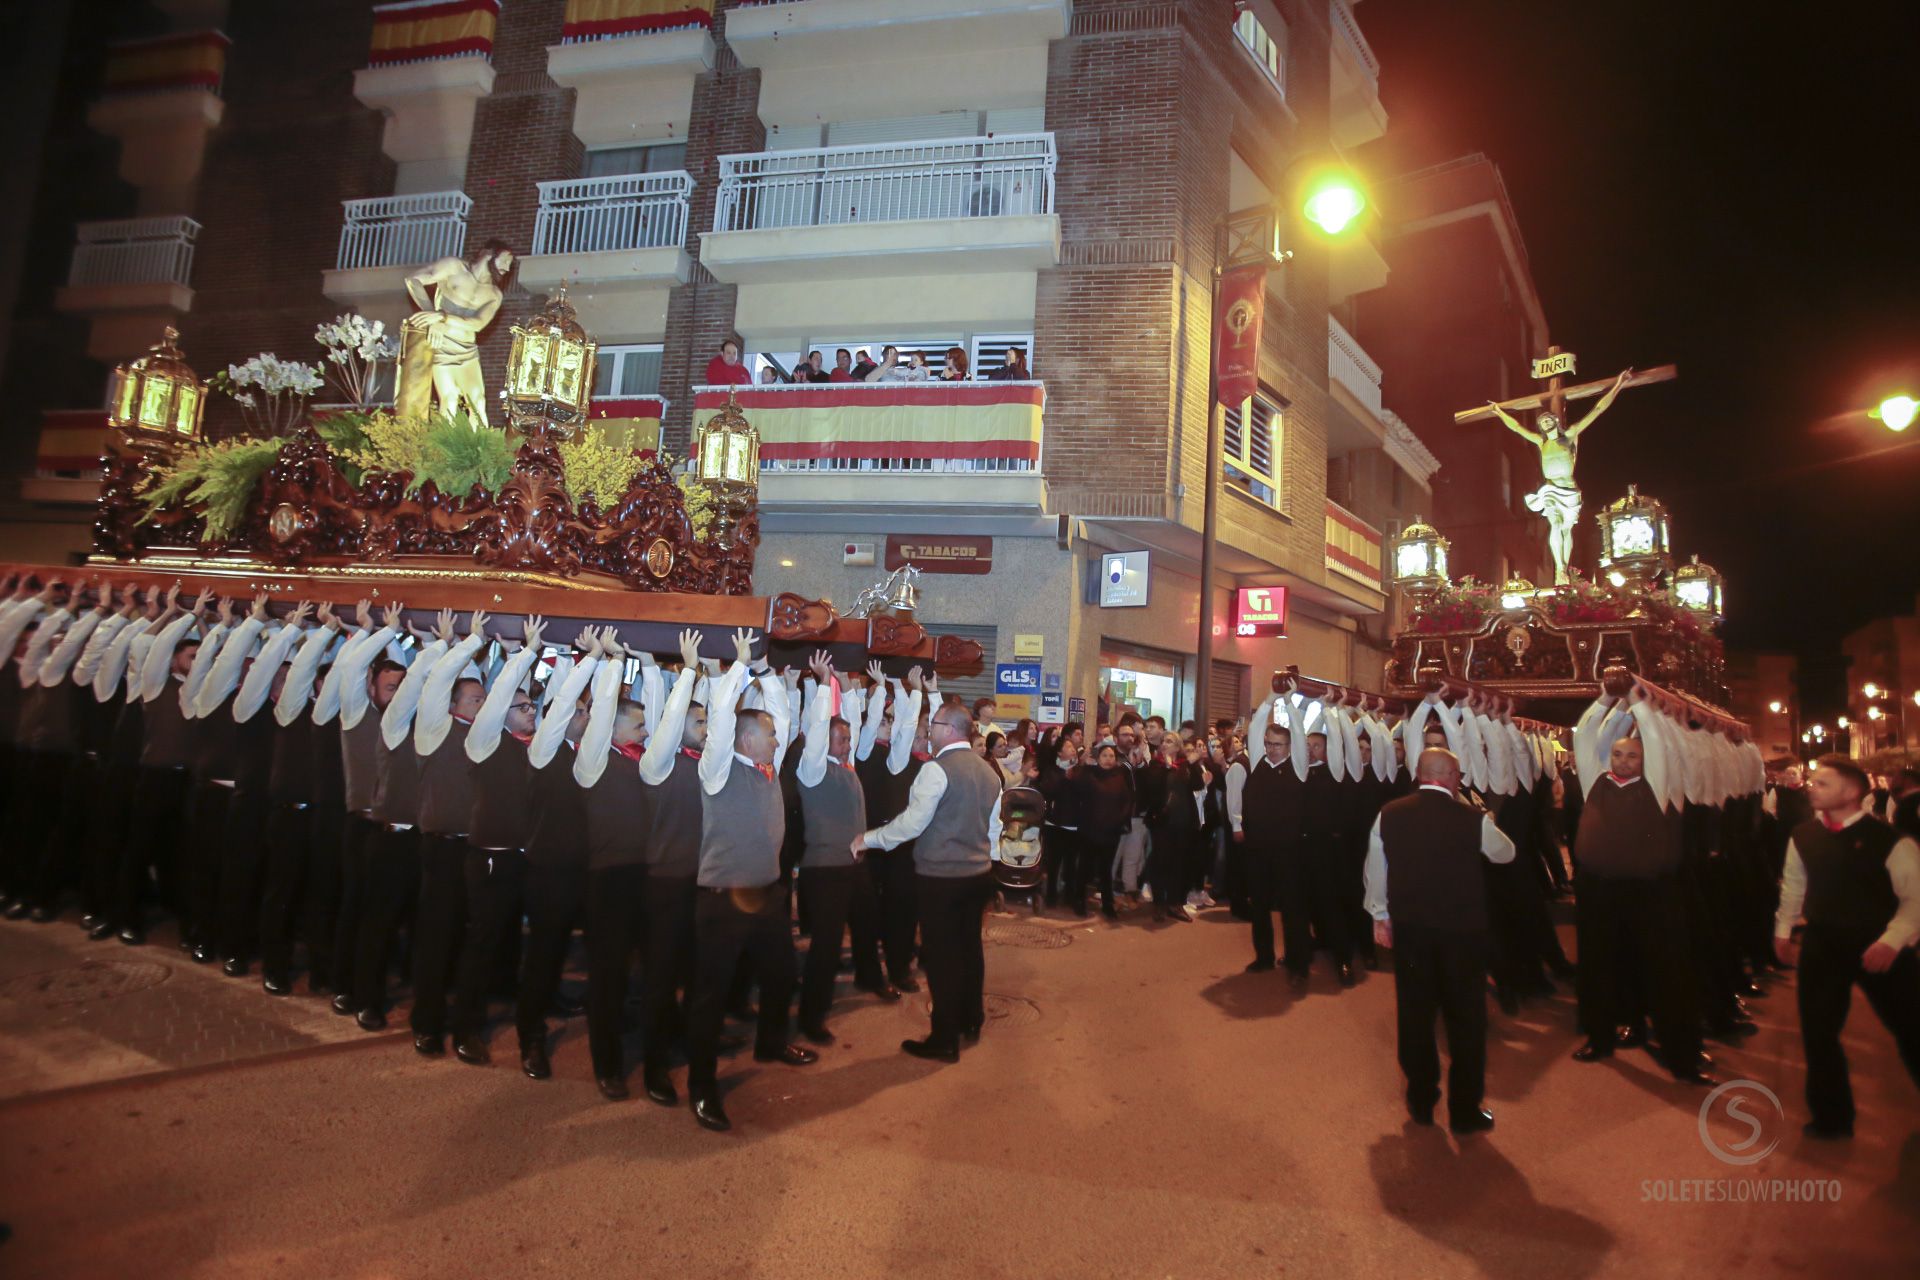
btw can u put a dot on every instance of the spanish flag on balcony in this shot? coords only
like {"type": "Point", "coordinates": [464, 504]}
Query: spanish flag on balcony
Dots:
{"type": "Point", "coordinates": [629, 423]}
{"type": "Point", "coordinates": [947, 421]}
{"type": "Point", "coordinates": [417, 30]}
{"type": "Point", "coordinates": [196, 60]}
{"type": "Point", "coordinates": [608, 19]}
{"type": "Point", "coordinates": [71, 442]}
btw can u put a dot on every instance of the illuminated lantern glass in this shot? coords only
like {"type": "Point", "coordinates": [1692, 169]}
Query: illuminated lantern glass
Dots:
{"type": "Point", "coordinates": [1634, 539]}
{"type": "Point", "coordinates": [727, 450]}
{"type": "Point", "coordinates": [550, 372]}
{"type": "Point", "coordinates": [1515, 593]}
{"type": "Point", "coordinates": [1697, 587]}
{"type": "Point", "coordinates": [1420, 559]}
{"type": "Point", "coordinates": [156, 401]}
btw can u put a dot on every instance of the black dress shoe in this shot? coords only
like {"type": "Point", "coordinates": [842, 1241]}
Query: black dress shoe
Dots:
{"type": "Point", "coordinates": [565, 1006]}
{"type": "Point", "coordinates": [16, 910]}
{"type": "Point", "coordinates": [132, 937]}
{"type": "Point", "coordinates": [472, 1050]}
{"type": "Point", "coordinates": [907, 983]}
{"type": "Point", "coordinates": [343, 1004]}
{"type": "Point", "coordinates": [1630, 1038]}
{"type": "Point", "coordinates": [1827, 1132]}
{"type": "Point", "coordinates": [429, 1045]}
{"type": "Point", "coordinates": [1749, 991]}
{"type": "Point", "coordinates": [533, 1061]}
{"type": "Point", "coordinates": [89, 919]}
{"type": "Point", "coordinates": [1698, 1071]}
{"type": "Point", "coordinates": [1259, 966]}
{"type": "Point", "coordinates": [660, 1088]}
{"type": "Point", "coordinates": [707, 1110]}
{"type": "Point", "coordinates": [612, 1088]}
{"type": "Point", "coordinates": [929, 1050]}
{"type": "Point", "coordinates": [1420, 1115]}
{"type": "Point", "coordinates": [1732, 1031]}
{"type": "Point", "coordinates": [203, 953]}
{"type": "Point", "coordinates": [1479, 1120]}
{"type": "Point", "coordinates": [885, 991]}
{"type": "Point", "coordinates": [371, 1020]}
{"type": "Point", "coordinates": [1106, 909]}
{"type": "Point", "coordinates": [235, 967]}
{"type": "Point", "coordinates": [791, 1055]}
{"type": "Point", "coordinates": [817, 1034]}
{"type": "Point", "coordinates": [101, 930]}
{"type": "Point", "coordinates": [276, 986]}
{"type": "Point", "coordinates": [1346, 975]}
{"type": "Point", "coordinates": [971, 1033]}
{"type": "Point", "coordinates": [1593, 1051]}
{"type": "Point", "coordinates": [42, 915]}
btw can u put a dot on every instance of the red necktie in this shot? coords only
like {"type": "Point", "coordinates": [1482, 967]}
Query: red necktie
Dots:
{"type": "Point", "coordinates": [766, 771]}
{"type": "Point", "coordinates": [1830, 824]}
{"type": "Point", "coordinates": [631, 750]}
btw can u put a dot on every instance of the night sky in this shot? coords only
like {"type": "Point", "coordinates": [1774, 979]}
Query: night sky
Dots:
{"type": "Point", "coordinates": [1703, 184]}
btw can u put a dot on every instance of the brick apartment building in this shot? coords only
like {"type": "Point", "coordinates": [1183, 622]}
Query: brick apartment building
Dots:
{"type": "Point", "coordinates": [1042, 174]}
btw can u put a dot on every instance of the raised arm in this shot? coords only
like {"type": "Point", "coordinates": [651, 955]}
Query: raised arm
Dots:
{"type": "Point", "coordinates": [1606, 402]}
{"type": "Point", "coordinates": [596, 741]}
{"type": "Point", "coordinates": [876, 708]}
{"type": "Point", "coordinates": [224, 676]}
{"type": "Point", "coordinates": [716, 762]}
{"type": "Point", "coordinates": [483, 735]}
{"type": "Point", "coordinates": [78, 637]}
{"type": "Point", "coordinates": [1514, 424]}
{"type": "Point", "coordinates": [552, 730]}
{"type": "Point", "coordinates": [297, 692]}
{"type": "Point", "coordinates": [258, 684]}
{"type": "Point", "coordinates": [906, 722]}
{"type": "Point", "coordinates": [656, 762]}
{"type": "Point", "coordinates": [434, 721]}
{"type": "Point", "coordinates": [819, 727]}
{"type": "Point", "coordinates": [397, 720]}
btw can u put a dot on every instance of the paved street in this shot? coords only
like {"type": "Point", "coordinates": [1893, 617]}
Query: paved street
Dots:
{"type": "Point", "coordinates": [1138, 1107]}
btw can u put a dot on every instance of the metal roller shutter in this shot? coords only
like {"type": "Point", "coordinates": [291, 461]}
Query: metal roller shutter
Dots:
{"type": "Point", "coordinates": [973, 686]}
{"type": "Point", "coordinates": [1227, 691]}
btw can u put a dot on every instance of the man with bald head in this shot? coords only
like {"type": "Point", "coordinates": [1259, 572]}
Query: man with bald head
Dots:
{"type": "Point", "coordinates": [1631, 920]}
{"type": "Point", "coordinates": [1426, 892]}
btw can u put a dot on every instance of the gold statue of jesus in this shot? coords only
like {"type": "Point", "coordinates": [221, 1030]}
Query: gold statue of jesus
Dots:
{"type": "Point", "coordinates": [1559, 445]}
{"type": "Point", "coordinates": [440, 343]}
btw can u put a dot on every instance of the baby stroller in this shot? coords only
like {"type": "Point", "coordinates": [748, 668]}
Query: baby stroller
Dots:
{"type": "Point", "coordinates": [1019, 869]}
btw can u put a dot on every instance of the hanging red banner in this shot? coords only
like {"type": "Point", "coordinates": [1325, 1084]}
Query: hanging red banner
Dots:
{"type": "Point", "coordinates": [1237, 307]}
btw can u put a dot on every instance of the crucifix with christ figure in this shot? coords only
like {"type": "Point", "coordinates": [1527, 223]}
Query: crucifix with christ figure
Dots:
{"type": "Point", "coordinates": [1558, 499]}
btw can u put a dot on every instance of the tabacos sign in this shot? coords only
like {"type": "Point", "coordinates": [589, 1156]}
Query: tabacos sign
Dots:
{"type": "Point", "coordinates": [936, 554]}
{"type": "Point", "coordinates": [1260, 611]}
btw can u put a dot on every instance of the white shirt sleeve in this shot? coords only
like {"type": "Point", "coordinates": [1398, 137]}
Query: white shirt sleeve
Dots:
{"type": "Point", "coordinates": [993, 830]}
{"type": "Point", "coordinates": [652, 695]}
{"type": "Point", "coordinates": [203, 662]}
{"type": "Point", "coordinates": [483, 735]}
{"type": "Point", "coordinates": [433, 721]}
{"type": "Point", "coordinates": [779, 705]}
{"type": "Point", "coordinates": [159, 658]}
{"type": "Point", "coordinates": [870, 722]}
{"type": "Point", "coordinates": [1296, 735]}
{"type": "Point", "coordinates": [113, 664]}
{"type": "Point", "coordinates": [813, 756]}
{"type": "Point", "coordinates": [1793, 893]}
{"type": "Point", "coordinates": [351, 667]}
{"type": "Point", "coordinates": [923, 797]}
{"type": "Point", "coordinates": [552, 730]}
{"type": "Point", "coordinates": [1494, 842]}
{"type": "Point", "coordinates": [397, 720]}
{"type": "Point", "coordinates": [906, 722]}
{"type": "Point", "coordinates": [1236, 786]}
{"type": "Point", "coordinates": [223, 674]}
{"type": "Point", "coordinates": [596, 740]}
{"type": "Point", "coordinates": [716, 762]}
{"type": "Point", "coordinates": [656, 762]}
{"type": "Point", "coordinates": [298, 690]}
{"type": "Point", "coordinates": [852, 710]}
{"type": "Point", "coordinates": [97, 645]}
{"type": "Point", "coordinates": [38, 645]}
{"type": "Point", "coordinates": [258, 684]}
{"type": "Point", "coordinates": [1903, 867]}
{"type": "Point", "coordinates": [60, 662]}
{"type": "Point", "coordinates": [14, 620]}
{"type": "Point", "coordinates": [1375, 899]}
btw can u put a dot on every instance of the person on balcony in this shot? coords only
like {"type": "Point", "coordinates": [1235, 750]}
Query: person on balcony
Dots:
{"type": "Point", "coordinates": [815, 369]}
{"type": "Point", "coordinates": [954, 367]}
{"type": "Point", "coordinates": [888, 370]}
{"type": "Point", "coordinates": [725, 369]}
{"type": "Point", "coordinates": [863, 366]}
{"type": "Point", "coordinates": [770, 377]}
{"type": "Point", "coordinates": [842, 366]}
{"type": "Point", "coordinates": [914, 370]}
{"type": "Point", "coordinates": [1014, 369]}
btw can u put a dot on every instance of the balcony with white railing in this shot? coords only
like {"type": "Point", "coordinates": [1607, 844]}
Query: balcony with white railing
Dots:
{"type": "Point", "coordinates": [1357, 116]}
{"type": "Point", "coordinates": [805, 34]}
{"type": "Point", "coordinates": [131, 264]}
{"type": "Point", "coordinates": [1353, 549]}
{"type": "Point", "coordinates": [838, 445]}
{"type": "Point", "coordinates": [952, 205]}
{"type": "Point", "coordinates": [625, 235]}
{"type": "Point", "coordinates": [1353, 383]}
{"type": "Point", "coordinates": [384, 238]}
{"type": "Point", "coordinates": [633, 62]}
{"type": "Point", "coordinates": [428, 63]}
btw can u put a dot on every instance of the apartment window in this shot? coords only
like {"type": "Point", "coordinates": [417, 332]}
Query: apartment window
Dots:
{"type": "Point", "coordinates": [1260, 41]}
{"type": "Point", "coordinates": [1252, 448]}
{"type": "Point", "coordinates": [654, 157]}
{"type": "Point", "coordinates": [628, 371]}
{"type": "Point", "coordinates": [989, 351]}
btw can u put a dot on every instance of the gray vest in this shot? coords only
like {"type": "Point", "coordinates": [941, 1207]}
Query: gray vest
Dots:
{"type": "Point", "coordinates": [446, 786]}
{"type": "Point", "coordinates": [360, 763]}
{"type": "Point", "coordinates": [396, 801]}
{"type": "Point", "coordinates": [675, 809]}
{"type": "Point", "coordinates": [740, 831]}
{"type": "Point", "coordinates": [835, 812]}
{"type": "Point", "coordinates": [955, 841]}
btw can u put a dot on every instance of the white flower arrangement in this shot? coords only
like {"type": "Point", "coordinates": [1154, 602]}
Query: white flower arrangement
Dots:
{"type": "Point", "coordinates": [356, 347]}
{"type": "Point", "coordinates": [271, 392]}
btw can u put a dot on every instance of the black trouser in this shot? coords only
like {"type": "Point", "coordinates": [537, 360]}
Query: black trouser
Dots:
{"type": "Point", "coordinates": [899, 907]}
{"type": "Point", "coordinates": [36, 811]}
{"type": "Point", "coordinates": [955, 958]}
{"type": "Point", "coordinates": [1278, 880]}
{"type": "Point", "coordinates": [840, 900]}
{"type": "Point", "coordinates": [360, 836]}
{"type": "Point", "coordinates": [616, 917]}
{"type": "Point", "coordinates": [1829, 968]}
{"type": "Point", "coordinates": [1323, 872]}
{"type": "Point", "coordinates": [153, 840]}
{"type": "Point", "coordinates": [244, 843]}
{"type": "Point", "coordinates": [290, 847]}
{"type": "Point", "coordinates": [1061, 848]}
{"type": "Point", "coordinates": [439, 923]}
{"type": "Point", "coordinates": [1199, 859]}
{"type": "Point", "coordinates": [1443, 971]}
{"type": "Point", "coordinates": [723, 931]}
{"type": "Point", "coordinates": [496, 886]}
{"type": "Point", "coordinates": [205, 849]}
{"type": "Point", "coordinates": [669, 903]}
{"type": "Point", "coordinates": [1239, 895]}
{"type": "Point", "coordinates": [63, 860]}
{"type": "Point", "coordinates": [390, 879]}
{"type": "Point", "coordinates": [556, 900]}
{"type": "Point", "coordinates": [1633, 959]}
{"type": "Point", "coordinates": [1353, 894]}
{"type": "Point", "coordinates": [107, 833]}
{"type": "Point", "coordinates": [1167, 863]}
{"type": "Point", "coordinates": [1097, 850]}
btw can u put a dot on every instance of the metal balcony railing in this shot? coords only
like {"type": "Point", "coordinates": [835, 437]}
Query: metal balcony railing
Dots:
{"type": "Point", "coordinates": [403, 231]}
{"type": "Point", "coordinates": [627, 211]}
{"type": "Point", "coordinates": [999, 176]}
{"type": "Point", "coordinates": [1349, 364]}
{"type": "Point", "coordinates": [134, 251]}
{"type": "Point", "coordinates": [1346, 26]}
{"type": "Point", "coordinates": [1353, 546]}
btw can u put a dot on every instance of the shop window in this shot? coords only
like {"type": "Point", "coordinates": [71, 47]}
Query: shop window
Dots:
{"type": "Point", "coordinates": [1150, 682]}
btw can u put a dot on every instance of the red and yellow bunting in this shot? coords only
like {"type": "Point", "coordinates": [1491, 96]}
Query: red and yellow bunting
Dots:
{"type": "Point", "coordinates": [196, 60]}
{"type": "Point", "coordinates": [416, 30]}
{"type": "Point", "coordinates": [630, 423]}
{"type": "Point", "coordinates": [889, 420]}
{"type": "Point", "coordinates": [71, 441]}
{"type": "Point", "coordinates": [1353, 545]}
{"type": "Point", "coordinates": [606, 19]}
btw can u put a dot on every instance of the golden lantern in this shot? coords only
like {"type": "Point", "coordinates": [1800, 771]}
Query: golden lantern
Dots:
{"type": "Point", "coordinates": [156, 402]}
{"type": "Point", "coordinates": [1515, 594]}
{"type": "Point", "coordinates": [1697, 587]}
{"type": "Point", "coordinates": [1634, 539]}
{"type": "Point", "coordinates": [1420, 559]}
{"type": "Point", "coordinates": [726, 462]}
{"type": "Point", "coordinates": [550, 372]}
